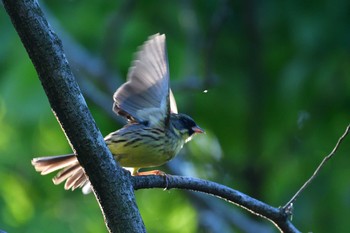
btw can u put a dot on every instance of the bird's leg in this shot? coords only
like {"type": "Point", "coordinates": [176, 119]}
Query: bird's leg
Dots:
{"type": "Point", "coordinates": [157, 173]}
{"type": "Point", "coordinates": [153, 172]}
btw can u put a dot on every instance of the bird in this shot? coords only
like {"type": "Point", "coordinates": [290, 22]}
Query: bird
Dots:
{"type": "Point", "coordinates": [154, 133]}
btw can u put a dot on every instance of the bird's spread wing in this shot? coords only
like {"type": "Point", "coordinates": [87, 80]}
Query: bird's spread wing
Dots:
{"type": "Point", "coordinates": [146, 96]}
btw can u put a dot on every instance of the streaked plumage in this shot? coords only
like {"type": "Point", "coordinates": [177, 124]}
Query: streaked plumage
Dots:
{"type": "Point", "coordinates": [155, 132]}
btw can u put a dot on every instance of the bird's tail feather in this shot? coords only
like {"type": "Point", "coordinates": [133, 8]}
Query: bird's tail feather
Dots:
{"type": "Point", "coordinates": [72, 172]}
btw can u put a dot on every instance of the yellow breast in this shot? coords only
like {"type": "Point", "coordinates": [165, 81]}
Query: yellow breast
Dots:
{"type": "Point", "coordinates": [139, 146]}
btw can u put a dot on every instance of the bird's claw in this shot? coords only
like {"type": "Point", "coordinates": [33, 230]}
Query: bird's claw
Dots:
{"type": "Point", "coordinates": [155, 173]}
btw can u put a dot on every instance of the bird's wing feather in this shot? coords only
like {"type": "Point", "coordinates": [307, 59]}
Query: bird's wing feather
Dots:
{"type": "Point", "coordinates": [145, 96]}
{"type": "Point", "coordinates": [173, 106]}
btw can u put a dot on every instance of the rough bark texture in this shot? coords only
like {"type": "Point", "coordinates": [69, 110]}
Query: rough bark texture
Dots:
{"type": "Point", "coordinates": [112, 186]}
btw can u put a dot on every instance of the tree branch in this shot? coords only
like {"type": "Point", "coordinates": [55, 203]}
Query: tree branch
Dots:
{"type": "Point", "coordinates": [276, 215]}
{"type": "Point", "coordinates": [112, 187]}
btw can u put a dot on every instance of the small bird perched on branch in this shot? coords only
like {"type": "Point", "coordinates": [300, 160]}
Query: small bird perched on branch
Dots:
{"type": "Point", "coordinates": [155, 132]}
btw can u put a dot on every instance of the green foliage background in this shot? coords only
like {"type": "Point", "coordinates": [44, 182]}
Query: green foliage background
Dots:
{"type": "Point", "coordinates": [278, 98]}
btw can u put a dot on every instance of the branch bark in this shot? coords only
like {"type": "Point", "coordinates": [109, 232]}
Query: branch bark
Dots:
{"type": "Point", "coordinates": [112, 187]}
{"type": "Point", "coordinates": [276, 215]}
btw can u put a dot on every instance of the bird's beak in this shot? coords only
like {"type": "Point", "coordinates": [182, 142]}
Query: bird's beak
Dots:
{"type": "Point", "coordinates": [197, 129]}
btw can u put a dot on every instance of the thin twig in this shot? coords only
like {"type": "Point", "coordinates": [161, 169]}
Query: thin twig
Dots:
{"type": "Point", "coordinates": [289, 204]}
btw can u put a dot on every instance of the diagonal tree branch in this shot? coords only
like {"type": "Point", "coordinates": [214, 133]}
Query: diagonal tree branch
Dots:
{"type": "Point", "coordinates": [112, 187]}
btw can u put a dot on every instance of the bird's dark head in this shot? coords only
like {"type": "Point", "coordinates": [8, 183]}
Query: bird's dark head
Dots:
{"type": "Point", "coordinates": [185, 126]}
